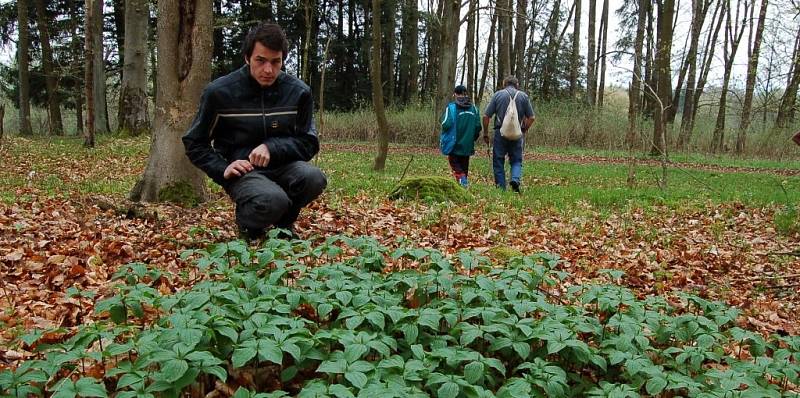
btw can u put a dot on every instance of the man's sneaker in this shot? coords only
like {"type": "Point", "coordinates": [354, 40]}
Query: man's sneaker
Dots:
{"type": "Point", "coordinates": [515, 186]}
{"type": "Point", "coordinates": [463, 181]}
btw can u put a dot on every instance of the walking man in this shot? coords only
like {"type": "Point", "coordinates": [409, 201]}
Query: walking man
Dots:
{"type": "Point", "coordinates": [502, 147]}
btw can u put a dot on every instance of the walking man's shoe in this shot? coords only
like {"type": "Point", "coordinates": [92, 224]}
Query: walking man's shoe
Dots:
{"type": "Point", "coordinates": [515, 186]}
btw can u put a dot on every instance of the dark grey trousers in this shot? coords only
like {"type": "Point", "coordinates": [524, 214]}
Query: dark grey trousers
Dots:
{"type": "Point", "coordinates": [274, 197]}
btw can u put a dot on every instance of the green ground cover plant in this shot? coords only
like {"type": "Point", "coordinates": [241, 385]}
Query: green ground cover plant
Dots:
{"type": "Point", "coordinates": [328, 320]}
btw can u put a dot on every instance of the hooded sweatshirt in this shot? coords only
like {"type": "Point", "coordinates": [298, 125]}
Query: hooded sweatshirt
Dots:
{"type": "Point", "coordinates": [467, 122]}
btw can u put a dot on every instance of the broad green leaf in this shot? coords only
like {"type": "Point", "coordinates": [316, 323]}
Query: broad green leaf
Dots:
{"type": "Point", "coordinates": [243, 354]}
{"type": "Point", "coordinates": [655, 385]}
{"type": "Point", "coordinates": [268, 350]}
{"type": "Point", "coordinates": [217, 371]}
{"type": "Point", "coordinates": [338, 366]}
{"type": "Point", "coordinates": [448, 390]}
{"type": "Point", "coordinates": [358, 379]}
{"type": "Point", "coordinates": [90, 387]}
{"type": "Point", "coordinates": [174, 369]}
{"type": "Point", "coordinates": [340, 391]}
{"type": "Point", "coordinates": [473, 372]}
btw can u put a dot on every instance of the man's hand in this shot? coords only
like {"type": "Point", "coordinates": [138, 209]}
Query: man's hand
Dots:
{"type": "Point", "coordinates": [259, 157]}
{"type": "Point", "coordinates": [237, 168]}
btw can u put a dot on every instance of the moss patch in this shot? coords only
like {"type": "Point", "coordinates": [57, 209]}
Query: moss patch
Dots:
{"type": "Point", "coordinates": [181, 193]}
{"type": "Point", "coordinates": [501, 254]}
{"type": "Point", "coordinates": [430, 188]}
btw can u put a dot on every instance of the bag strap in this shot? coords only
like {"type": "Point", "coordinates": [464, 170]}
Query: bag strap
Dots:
{"type": "Point", "coordinates": [513, 97]}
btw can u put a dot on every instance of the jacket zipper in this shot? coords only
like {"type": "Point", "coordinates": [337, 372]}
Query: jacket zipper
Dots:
{"type": "Point", "coordinates": [263, 115]}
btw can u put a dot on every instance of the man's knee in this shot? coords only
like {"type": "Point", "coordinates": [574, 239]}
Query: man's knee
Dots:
{"type": "Point", "coordinates": [309, 182]}
{"type": "Point", "coordinates": [316, 182]}
{"type": "Point", "coordinates": [263, 209]}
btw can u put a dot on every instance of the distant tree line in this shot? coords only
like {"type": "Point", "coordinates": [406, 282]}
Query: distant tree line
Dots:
{"type": "Point", "coordinates": [78, 56]}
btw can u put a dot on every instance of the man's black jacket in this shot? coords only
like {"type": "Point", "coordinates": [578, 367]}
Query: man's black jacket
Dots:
{"type": "Point", "coordinates": [236, 115]}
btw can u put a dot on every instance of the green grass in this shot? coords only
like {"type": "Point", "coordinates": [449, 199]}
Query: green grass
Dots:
{"type": "Point", "coordinates": [564, 186]}
{"type": "Point", "coordinates": [63, 167]}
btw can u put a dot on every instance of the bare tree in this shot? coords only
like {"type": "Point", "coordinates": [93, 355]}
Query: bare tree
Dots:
{"type": "Point", "coordinates": [591, 61]}
{"type": "Point", "coordinates": [101, 123]}
{"type": "Point", "coordinates": [663, 75]}
{"type": "Point", "coordinates": [699, 12]}
{"type": "Point", "coordinates": [734, 30]}
{"type": "Point", "coordinates": [576, 47]}
{"type": "Point", "coordinates": [89, 70]}
{"type": "Point", "coordinates": [24, 73]}
{"type": "Point", "coordinates": [471, 52]}
{"type": "Point", "coordinates": [689, 112]}
{"type": "Point", "coordinates": [409, 55]}
{"type": "Point", "coordinates": [601, 57]}
{"type": "Point", "coordinates": [185, 44]}
{"type": "Point", "coordinates": [487, 58]}
{"type": "Point", "coordinates": [520, 39]}
{"type": "Point", "coordinates": [50, 78]}
{"type": "Point", "coordinates": [785, 110]}
{"type": "Point", "coordinates": [377, 89]}
{"type": "Point", "coordinates": [754, 51]}
{"type": "Point", "coordinates": [449, 53]}
{"type": "Point", "coordinates": [635, 92]}
{"type": "Point", "coordinates": [133, 116]}
{"type": "Point", "coordinates": [504, 38]}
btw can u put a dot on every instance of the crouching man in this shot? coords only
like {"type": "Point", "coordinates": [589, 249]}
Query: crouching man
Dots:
{"type": "Point", "coordinates": [254, 135]}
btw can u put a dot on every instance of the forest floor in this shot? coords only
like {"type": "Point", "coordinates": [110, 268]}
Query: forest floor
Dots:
{"type": "Point", "coordinates": [61, 226]}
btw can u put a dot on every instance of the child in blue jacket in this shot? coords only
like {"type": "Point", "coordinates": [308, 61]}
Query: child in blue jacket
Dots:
{"type": "Point", "coordinates": [461, 126]}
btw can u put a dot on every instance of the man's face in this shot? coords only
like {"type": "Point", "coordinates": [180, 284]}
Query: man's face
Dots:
{"type": "Point", "coordinates": [265, 64]}
{"type": "Point", "coordinates": [457, 96]}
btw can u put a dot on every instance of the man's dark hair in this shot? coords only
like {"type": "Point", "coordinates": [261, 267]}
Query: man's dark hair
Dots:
{"type": "Point", "coordinates": [270, 35]}
{"type": "Point", "coordinates": [511, 80]}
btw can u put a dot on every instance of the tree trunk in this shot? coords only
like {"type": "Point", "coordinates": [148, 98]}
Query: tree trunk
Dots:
{"type": "Point", "coordinates": [663, 76]}
{"type": "Point", "coordinates": [504, 39]}
{"type": "Point", "coordinates": [576, 49]}
{"type": "Point", "coordinates": [602, 56]}
{"type": "Point", "coordinates": [790, 94]}
{"type": "Point", "coordinates": [520, 39]}
{"type": "Point", "coordinates": [550, 63]}
{"type": "Point", "coordinates": [449, 53]}
{"type": "Point", "coordinates": [648, 101]}
{"type": "Point", "coordinates": [409, 55]}
{"type": "Point", "coordinates": [390, 16]}
{"type": "Point", "coordinates": [133, 116]}
{"type": "Point", "coordinates": [23, 59]}
{"type": "Point", "coordinates": [733, 36]}
{"type": "Point", "coordinates": [377, 89]}
{"type": "Point", "coordinates": [51, 80]}
{"type": "Point", "coordinates": [185, 41]}
{"type": "Point", "coordinates": [708, 57]}
{"type": "Point", "coordinates": [101, 123]}
{"type": "Point", "coordinates": [89, 69]}
{"type": "Point", "coordinates": [435, 50]}
{"type": "Point", "coordinates": [752, 70]}
{"type": "Point", "coordinates": [471, 53]}
{"type": "Point", "coordinates": [487, 58]}
{"type": "Point", "coordinates": [591, 72]}
{"type": "Point", "coordinates": [699, 12]}
{"type": "Point", "coordinates": [635, 92]}
{"type": "Point", "coordinates": [118, 15]}
{"type": "Point", "coordinates": [2, 116]}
